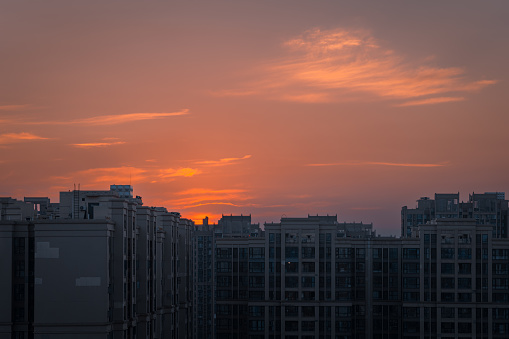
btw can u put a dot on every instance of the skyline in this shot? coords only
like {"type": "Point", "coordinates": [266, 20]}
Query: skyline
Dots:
{"type": "Point", "coordinates": [256, 108]}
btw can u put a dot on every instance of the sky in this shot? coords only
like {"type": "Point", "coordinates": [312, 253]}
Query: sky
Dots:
{"type": "Point", "coordinates": [269, 108]}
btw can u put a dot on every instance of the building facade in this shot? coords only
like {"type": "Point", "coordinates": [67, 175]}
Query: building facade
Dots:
{"type": "Point", "coordinates": [317, 278]}
{"type": "Point", "coordinates": [489, 208]}
{"type": "Point", "coordinates": [96, 265]}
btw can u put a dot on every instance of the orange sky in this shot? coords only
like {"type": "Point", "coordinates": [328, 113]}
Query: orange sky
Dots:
{"type": "Point", "coordinates": [264, 108]}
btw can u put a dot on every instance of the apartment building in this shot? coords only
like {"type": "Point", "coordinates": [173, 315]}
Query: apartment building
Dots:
{"type": "Point", "coordinates": [489, 208]}
{"type": "Point", "coordinates": [317, 278]}
{"type": "Point", "coordinates": [96, 265]}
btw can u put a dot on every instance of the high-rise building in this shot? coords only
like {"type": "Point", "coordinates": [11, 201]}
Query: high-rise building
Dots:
{"type": "Point", "coordinates": [96, 265]}
{"type": "Point", "coordinates": [317, 278]}
{"type": "Point", "coordinates": [489, 208]}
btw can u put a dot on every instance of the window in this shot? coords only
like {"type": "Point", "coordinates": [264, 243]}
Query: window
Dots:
{"type": "Point", "coordinates": [464, 313]}
{"type": "Point", "coordinates": [464, 327]}
{"type": "Point", "coordinates": [343, 267]}
{"type": "Point", "coordinates": [291, 326]}
{"type": "Point", "coordinates": [308, 267]}
{"type": "Point", "coordinates": [308, 295]}
{"type": "Point", "coordinates": [410, 282]}
{"type": "Point", "coordinates": [256, 252]}
{"type": "Point", "coordinates": [411, 312]}
{"type": "Point", "coordinates": [343, 311]}
{"type": "Point", "coordinates": [500, 268]}
{"type": "Point", "coordinates": [448, 297]}
{"type": "Point", "coordinates": [464, 253]}
{"type": "Point", "coordinates": [343, 282]}
{"type": "Point", "coordinates": [256, 311]}
{"type": "Point", "coordinates": [448, 327]}
{"type": "Point", "coordinates": [292, 267]}
{"type": "Point", "coordinates": [224, 266]}
{"type": "Point", "coordinates": [308, 282]}
{"type": "Point", "coordinates": [500, 254]}
{"type": "Point", "coordinates": [447, 283]}
{"type": "Point", "coordinates": [257, 325]}
{"type": "Point", "coordinates": [257, 282]}
{"type": "Point", "coordinates": [411, 268]}
{"type": "Point", "coordinates": [292, 311]}
{"type": "Point", "coordinates": [465, 297]}
{"type": "Point", "coordinates": [464, 268]}
{"type": "Point", "coordinates": [292, 252]}
{"type": "Point", "coordinates": [308, 326]}
{"type": "Point", "coordinates": [447, 268]}
{"type": "Point", "coordinates": [256, 267]}
{"type": "Point", "coordinates": [464, 283]}
{"type": "Point", "coordinates": [291, 282]}
{"type": "Point", "coordinates": [410, 253]}
{"type": "Point", "coordinates": [308, 252]}
{"type": "Point", "coordinates": [500, 284]}
{"type": "Point", "coordinates": [308, 311]}
{"type": "Point", "coordinates": [447, 253]}
{"type": "Point", "coordinates": [448, 312]}
{"type": "Point", "coordinates": [377, 267]}
{"type": "Point", "coordinates": [343, 253]}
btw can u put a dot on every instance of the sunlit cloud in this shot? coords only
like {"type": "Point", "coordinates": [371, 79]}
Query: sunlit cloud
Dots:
{"type": "Point", "coordinates": [98, 144]}
{"type": "Point", "coordinates": [14, 107]}
{"type": "Point", "coordinates": [222, 162]}
{"type": "Point", "coordinates": [431, 101]}
{"type": "Point", "coordinates": [333, 65]}
{"type": "Point", "coordinates": [132, 174]}
{"type": "Point", "coordinates": [181, 172]}
{"type": "Point", "coordinates": [199, 191]}
{"type": "Point", "coordinates": [375, 163]}
{"type": "Point", "coordinates": [111, 175]}
{"type": "Point", "coordinates": [10, 138]}
{"type": "Point", "coordinates": [102, 120]}
{"type": "Point", "coordinates": [197, 197]}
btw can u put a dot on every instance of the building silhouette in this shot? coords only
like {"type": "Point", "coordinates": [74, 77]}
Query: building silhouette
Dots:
{"type": "Point", "coordinates": [489, 208]}
{"type": "Point", "coordinates": [97, 265]}
{"type": "Point", "coordinates": [100, 264]}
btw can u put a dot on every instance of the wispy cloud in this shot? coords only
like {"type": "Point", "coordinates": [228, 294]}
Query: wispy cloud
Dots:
{"type": "Point", "coordinates": [431, 101]}
{"type": "Point", "coordinates": [180, 172]}
{"type": "Point", "coordinates": [197, 197]}
{"type": "Point", "coordinates": [10, 138]}
{"type": "Point", "coordinates": [112, 175]}
{"type": "Point", "coordinates": [104, 120]}
{"type": "Point", "coordinates": [222, 162]}
{"type": "Point", "coordinates": [14, 107]}
{"type": "Point", "coordinates": [376, 163]}
{"type": "Point", "coordinates": [333, 65]}
{"type": "Point", "coordinates": [132, 174]}
{"type": "Point", "coordinates": [98, 144]}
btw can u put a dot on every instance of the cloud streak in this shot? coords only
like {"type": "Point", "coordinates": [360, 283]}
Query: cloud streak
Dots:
{"type": "Point", "coordinates": [197, 197]}
{"type": "Point", "coordinates": [14, 107]}
{"type": "Point", "coordinates": [11, 138]}
{"type": "Point", "coordinates": [375, 163]}
{"type": "Point", "coordinates": [105, 120]}
{"type": "Point", "coordinates": [98, 144]}
{"type": "Point", "coordinates": [222, 162]}
{"type": "Point", "coordinates": [431, 101]}
{"type": "Point", "coordinates": [333, 65]}
{"type": "Point", "coordinates": [132, 174]}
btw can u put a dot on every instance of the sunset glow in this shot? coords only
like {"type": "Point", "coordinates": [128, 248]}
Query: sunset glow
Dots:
{"type": "Point", "coordinates": [262, 108]}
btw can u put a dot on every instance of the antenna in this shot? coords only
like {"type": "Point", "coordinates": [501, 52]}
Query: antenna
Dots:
{"type": "Point", "coordinates": [130, 174]}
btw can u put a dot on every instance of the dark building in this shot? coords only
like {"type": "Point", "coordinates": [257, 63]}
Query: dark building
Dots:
{"type": "Point", "coordinates": [489, 208]}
